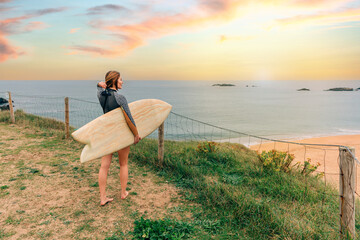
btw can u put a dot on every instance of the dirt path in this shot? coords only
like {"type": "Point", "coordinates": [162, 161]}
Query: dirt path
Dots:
{"type": "Point", "coordinates": [46, 193]}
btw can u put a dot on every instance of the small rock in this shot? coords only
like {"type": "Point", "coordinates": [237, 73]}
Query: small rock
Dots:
{"type": "Point", "coordinates": [223, 85]}
{"type": "Point", "coordinates": [340, 89]}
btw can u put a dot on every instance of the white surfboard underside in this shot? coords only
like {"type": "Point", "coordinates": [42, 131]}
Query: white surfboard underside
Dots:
{"type": "Point", "coordinates": [110, 132]}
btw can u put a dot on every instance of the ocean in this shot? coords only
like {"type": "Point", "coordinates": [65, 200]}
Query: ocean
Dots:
{"type": "Point", "coordinates": [272, 109]}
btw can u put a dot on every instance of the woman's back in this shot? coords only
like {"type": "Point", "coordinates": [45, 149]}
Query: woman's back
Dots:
{"type": "Point", "coordinates": [107, 100]}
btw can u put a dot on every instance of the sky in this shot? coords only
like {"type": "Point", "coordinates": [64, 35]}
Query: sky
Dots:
{"type": "Point", "coordinates": [222, 40]}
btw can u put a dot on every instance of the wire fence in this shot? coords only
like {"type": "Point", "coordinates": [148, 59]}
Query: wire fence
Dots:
{"type": "Point", "coordinates": [325, 159]}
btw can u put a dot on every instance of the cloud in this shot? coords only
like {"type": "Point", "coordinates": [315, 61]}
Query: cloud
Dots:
{"type": "Point", "coordinates": [215, 5]}
{"type": "Point", "coordinates": [224, 38]}
{"type": "Point", "coordinates": [12, 25]}
{"type": "Point", "coordinates": [74, 30]}
{"type": "Point", "coordinates": [32, 26]}
{"type": "Point", "coordinates": [103, 9]}
{"type": "Point", "coordinates": [319, 3]}
{"type": "Point", "coordinates": [308, 4]}
{"type": "Point", "coordinates": [322, 18]}
{"type": "Point", "coordinates": [44, 11]}
{"type": "Point", "coordinates": [6, 9]}
{"type": "Point", "coordinates": [89, 49]}
{"type": "Point", "coordinates": [16, 25]}
{"type": "Point", "coordinates": [7, 51]}
{"type": "Point", "coordinates": [131, 36]}
{"type": "Point", "coordinates": [5, 1]}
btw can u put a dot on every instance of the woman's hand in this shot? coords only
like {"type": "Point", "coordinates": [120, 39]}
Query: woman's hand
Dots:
{"type": "Point", "coordinates": [102, 84]}
{"type": "Point", "coordinates": [137, 138]}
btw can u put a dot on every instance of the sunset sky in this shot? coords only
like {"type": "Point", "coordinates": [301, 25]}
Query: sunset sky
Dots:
{"type": "Point", "coordinates": [220, 40]}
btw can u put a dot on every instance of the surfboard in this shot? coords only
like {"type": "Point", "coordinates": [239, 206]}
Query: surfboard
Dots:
{"type": "Point", "coordinates": [110, 132]}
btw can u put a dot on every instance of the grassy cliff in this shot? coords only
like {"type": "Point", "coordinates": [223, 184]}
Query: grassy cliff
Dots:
{"type": "Point", "coordinates": [198, 192]}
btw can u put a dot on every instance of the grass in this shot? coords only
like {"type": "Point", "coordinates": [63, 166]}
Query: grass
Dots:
{"type": "Point", "coordinates": [226, 190]}
{"type": "Point", "coordinates": [241, 198]}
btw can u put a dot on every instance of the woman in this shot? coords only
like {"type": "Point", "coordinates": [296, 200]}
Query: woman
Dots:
{"type": "Point", "coordinates": [109, 100]}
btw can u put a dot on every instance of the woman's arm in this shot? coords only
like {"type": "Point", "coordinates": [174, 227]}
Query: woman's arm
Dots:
{"type": "Point", "coordinates": [101, 86]}
{"type": "Point", "coordinates": [121, 100]}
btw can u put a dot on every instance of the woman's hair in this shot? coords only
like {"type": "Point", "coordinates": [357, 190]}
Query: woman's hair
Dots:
{"type": "Point", "coordinates": [111, 79]}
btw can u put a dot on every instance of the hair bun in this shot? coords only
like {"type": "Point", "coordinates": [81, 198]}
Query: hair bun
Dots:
{"type": "Point", "coordinates": [111, 78]}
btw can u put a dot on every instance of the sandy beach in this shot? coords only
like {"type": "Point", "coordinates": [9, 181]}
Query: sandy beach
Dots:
{"type": "Point", "coordinates": [326, 156]}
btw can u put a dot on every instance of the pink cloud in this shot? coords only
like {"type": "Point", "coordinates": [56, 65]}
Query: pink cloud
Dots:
{"type": "Point", "coordinates": [16, 25]}
{"type": "Point", "coordinates": [89, 49]}
{"type": "Point", "coordinates": [7, 51]}
{"type": "Point", "coordinates": [6, 9]}
{"type": "Point", "coordinates": [74, 30]}
{"type": "Point", "coordinates": [32, 26]}
{"type": "Point", "coordinates": [323, 18]}
{"type": "Point", "coordinates": [310, 4]}
{"type": "Point", "coordinates": [131, 36]}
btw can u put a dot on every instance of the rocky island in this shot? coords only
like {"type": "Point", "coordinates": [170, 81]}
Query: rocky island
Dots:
{"type": "Point", "coordinates": [303, 89]}
{"type": "Point", "coordinates": [340, 89]}
{"type": "Point", "coordinates": [223, 85]}
{"type": "Point", "coordinates": [4, 104]}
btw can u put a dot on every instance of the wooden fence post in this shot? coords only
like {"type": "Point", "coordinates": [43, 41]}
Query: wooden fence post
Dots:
{"type": "Point", "coordinates": [161, 144]}
{"type": "Point", "coordinates": [67, 134]}
{"type": "Point", "coordinates": [347, 193]}
{"type": "Point", "coordinates": [12, 116]}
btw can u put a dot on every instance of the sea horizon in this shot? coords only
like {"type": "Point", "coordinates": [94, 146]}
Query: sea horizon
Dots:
{"type": "Point", "coordinates": [273, 109]}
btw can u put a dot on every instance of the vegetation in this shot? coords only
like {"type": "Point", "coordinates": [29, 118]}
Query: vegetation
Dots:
{"type": "Point", "coordinates": [245, 197]}
{"type": "Point", "coordinates": [161, 229]}
{"type": "Point", "coordinates": [230, 191]}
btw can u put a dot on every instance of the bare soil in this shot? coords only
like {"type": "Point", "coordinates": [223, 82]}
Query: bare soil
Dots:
{"type": "Point", "coordinates": [46, 193]}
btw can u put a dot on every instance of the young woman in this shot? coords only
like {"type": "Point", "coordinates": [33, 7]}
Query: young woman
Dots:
{"type": "Point", "coordinates": [109, 100]}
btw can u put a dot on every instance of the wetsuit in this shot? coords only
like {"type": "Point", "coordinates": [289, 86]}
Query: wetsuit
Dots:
{"type": "Point", "coordinates": [110, 99]}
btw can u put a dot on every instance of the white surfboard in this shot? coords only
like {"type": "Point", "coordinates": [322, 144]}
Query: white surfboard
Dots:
{"type": "Point", "coordinates": [110, 132]}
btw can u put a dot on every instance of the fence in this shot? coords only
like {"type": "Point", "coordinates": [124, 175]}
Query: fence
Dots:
{"type": "Point", "coordinates": [337, 164]}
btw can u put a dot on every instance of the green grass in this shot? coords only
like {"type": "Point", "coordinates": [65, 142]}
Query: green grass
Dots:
{"type": "Point", "coordinates": [241, 198]}
{"type": "Point", "coordinates": [32, 120]}
{"type": "Point", "coordinates": [236, 197]}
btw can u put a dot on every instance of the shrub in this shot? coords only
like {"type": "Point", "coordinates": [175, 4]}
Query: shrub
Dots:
{"type": "Point", "coordinates": [206, 147]}
{"type": "Point", "coordinates": [308, 167]}
{"type": "Point", "coordinates": [281, 161]}
{"type": "Point", "coordinates": [276, 160]}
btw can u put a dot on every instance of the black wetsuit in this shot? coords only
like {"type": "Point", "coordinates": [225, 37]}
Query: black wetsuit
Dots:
{"type": "Point", "coordinates": [110, 99]}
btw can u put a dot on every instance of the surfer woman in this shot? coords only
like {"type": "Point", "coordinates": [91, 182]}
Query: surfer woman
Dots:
{"type": "Point", "coordinates": [109, 100]}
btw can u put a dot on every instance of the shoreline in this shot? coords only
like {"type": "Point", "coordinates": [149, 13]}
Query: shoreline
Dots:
{"type": "Point", "coordinates": [349, 140]}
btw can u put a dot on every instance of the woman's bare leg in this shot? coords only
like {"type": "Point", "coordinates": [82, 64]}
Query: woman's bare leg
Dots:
{"type": "Point", "coordinates": [105, 165]}
{"type": "Point", "coordinates": [123, 161]}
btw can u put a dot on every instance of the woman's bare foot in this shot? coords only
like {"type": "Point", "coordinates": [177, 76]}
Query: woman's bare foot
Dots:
{"type": "Point", "coordinates": [123, 196]}
{"type": "Point", "coordinates": [107, 200]}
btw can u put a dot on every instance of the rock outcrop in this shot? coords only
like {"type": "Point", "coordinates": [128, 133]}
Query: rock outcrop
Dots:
{"type": "Point", "coordinates": [4, 104]}
{"type": "Point", "coordinates": [340, 89]}
{"type": "Point", "coordinates": [223, 85]}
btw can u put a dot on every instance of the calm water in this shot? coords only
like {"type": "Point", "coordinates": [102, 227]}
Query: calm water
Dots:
{"type": "Point", "coordinates": [270, 108]}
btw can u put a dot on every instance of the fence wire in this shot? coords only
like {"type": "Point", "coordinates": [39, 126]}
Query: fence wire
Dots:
{"type": "Point", "coordinates": [324, 157]}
